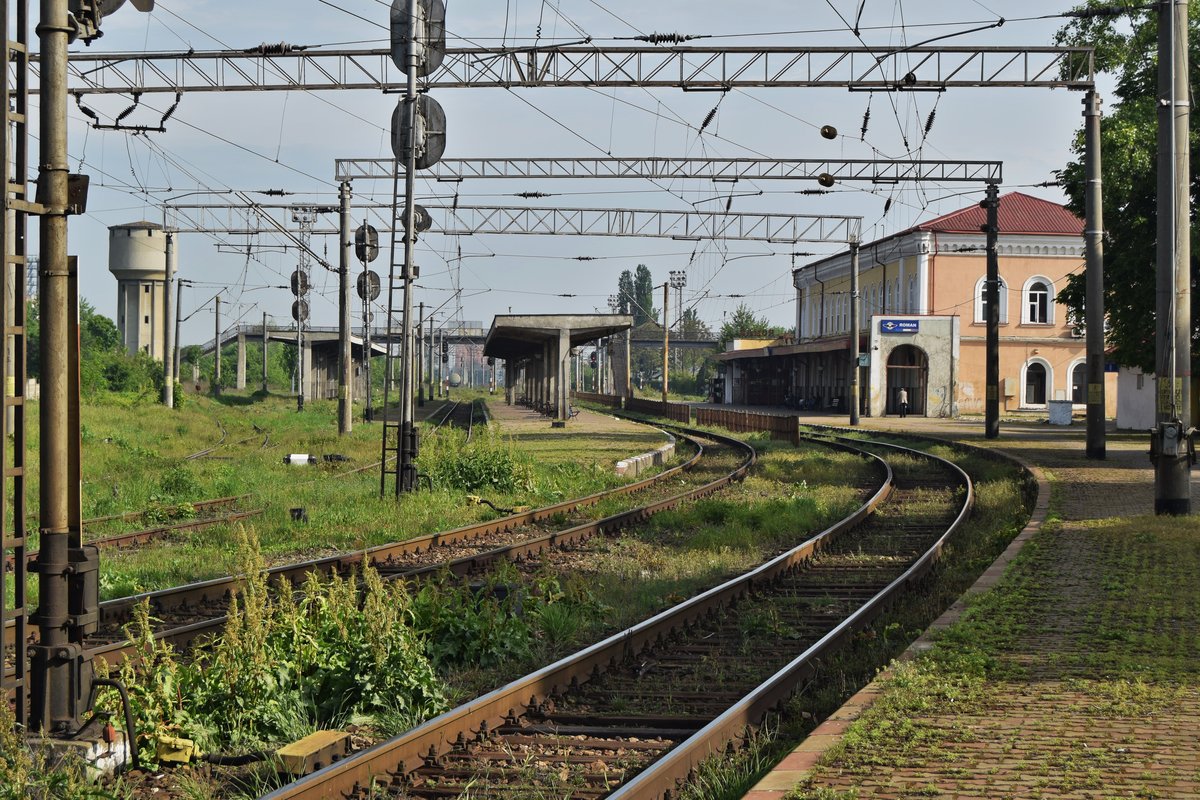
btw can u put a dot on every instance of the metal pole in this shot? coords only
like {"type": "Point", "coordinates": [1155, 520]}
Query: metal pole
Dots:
{"type": "Point", "coordinates": [265, 341]}
{"type": "Point", "coordinates": [421, 344]}
{"type": "Point", "coordinates": [1093, 236]}
{"type": "Point", "coordinates": [666, 336]}
{"type": "Point", "coordinates": [431, 356]}
{"type": "Point", "coordinates": [406, 475]}
{"type": "Point", "coordinates": [169, 327]}
{"type": "Point", "coordinates": [1173, 294]}
{"type": "Point", "coordinates": [854, 369]}
{"type": "Point", "coordinates": [52, 659]}
{"type": "Point", "coordinates": [345, 354]}
{"type": "Point", "coordinates": [178, 306]}
{"type": "Point", "coordinates": [991, 406]}
{"type": "Point", "coordinates": [217, 347]}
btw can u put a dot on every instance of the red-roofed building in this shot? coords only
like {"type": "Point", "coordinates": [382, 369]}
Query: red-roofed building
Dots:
{"type": "Point", "coordinates": [922, 320]}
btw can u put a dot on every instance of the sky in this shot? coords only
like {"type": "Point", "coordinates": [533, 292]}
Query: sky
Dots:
{"type": "Point", "coordinates": [289, 141]}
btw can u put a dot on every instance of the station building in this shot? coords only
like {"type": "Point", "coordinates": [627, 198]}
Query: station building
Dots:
{"type": "Point", "coordinates": [923, 321]}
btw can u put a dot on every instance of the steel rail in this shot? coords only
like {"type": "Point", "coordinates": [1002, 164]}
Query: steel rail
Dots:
{"type": "Point", "coordinates": [663, 778]}
{"type": "Point", "coordinates": [219, 590]}
{"type": "Point", "coordinates": [128, 516]}
{"type": "Point", "coordinates": [394, 758]}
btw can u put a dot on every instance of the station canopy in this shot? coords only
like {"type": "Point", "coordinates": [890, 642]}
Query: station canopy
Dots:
{"type": "Point", "coordinates": [516, 337]}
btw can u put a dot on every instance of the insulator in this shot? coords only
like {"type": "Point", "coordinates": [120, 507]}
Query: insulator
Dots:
{"type": "Point", "coordinates": [708, 119]}
{"type": "Point", "coordinates": [665, 38]}
{"type": "Point", "coordinates": [887, 206]}
{"type": "Point", "coordinates": [813, 191]}
{"type": "Point", "coordinates": [866, 122]}
{"type": "Point", "coordinates": [929, 121]}
{"type": "Point", "coordinates": [532, 195]}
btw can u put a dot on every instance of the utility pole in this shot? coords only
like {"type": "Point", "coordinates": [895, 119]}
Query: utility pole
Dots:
{"type": "Point", "coordinates": [991, 403]}
{"type": "Point", "coordinates": [854, 368]}
{"type": "Point", "coordinates": [345, 354]}
{"type": "Point", "coordinates": [217, 346]}
{"type": "Point", "coordinates": [178, 305]}
{"type": "Point", "coordinates": [265, 340]}
{"type": "Point", "coordinates": [1173, 368]}
{"type": "Point", "coordinates": [421, 356]}
{"type": "Point", "coordinates": [55, 655]}
{"type": "Point", "coordinates": [1093, 237]}
{"type": "Point", "coordinates": [169, 311]}
{"type": "Point", "coordinates": [431, 356]}
{"type": "Point", "coordinates": [666, 336]}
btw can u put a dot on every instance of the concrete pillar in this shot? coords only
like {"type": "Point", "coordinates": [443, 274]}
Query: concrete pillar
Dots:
{"type": "Point", "coordinates": [241, 360]}
{"type": "Point", "coordinates": [306, 378]}
{"type": "Point", "coordinates": [509, 380]}
{"type": "Point", "coordinates": [563, 399]}
{"type": "Point", "coordinates": [266, 337]}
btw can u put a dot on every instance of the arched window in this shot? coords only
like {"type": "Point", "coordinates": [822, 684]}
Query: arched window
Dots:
{"type": "Point", "coordinates": [981, 301]}
{"type": "Point", "coordinates": [1038, 302]}
{"type": "Point", "coordinates": [1035, 384]}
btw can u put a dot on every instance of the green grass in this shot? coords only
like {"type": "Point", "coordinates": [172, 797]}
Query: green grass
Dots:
{"type": "Point", "coordinates": [133, 458]}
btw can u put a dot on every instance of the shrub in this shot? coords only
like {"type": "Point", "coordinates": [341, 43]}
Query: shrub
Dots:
{"type": "Point", "coordinates": [488, 462]}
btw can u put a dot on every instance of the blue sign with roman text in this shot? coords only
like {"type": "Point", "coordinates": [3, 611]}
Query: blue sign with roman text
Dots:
{"type": "Point", "coordinates": [899, 325]}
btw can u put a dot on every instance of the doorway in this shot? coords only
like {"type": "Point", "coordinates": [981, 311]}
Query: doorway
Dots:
{"type": "Point", "coordinates": [907, 368]}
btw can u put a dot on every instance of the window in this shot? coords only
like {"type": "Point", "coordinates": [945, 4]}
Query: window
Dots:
{"type": "Point", "coordinates": [1038, 302]}
{"type": "Point", "coordinates": [146, 289]}
{"type": "Point", "coordinates": [146, 319]}
{"type": "Point", "coordinates": [981, 301]}
{"type": "Point", "coordinates": [1035, 384]}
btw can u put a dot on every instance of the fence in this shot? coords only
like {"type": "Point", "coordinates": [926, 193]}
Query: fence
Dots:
{"type": "Point", "coordinates": [784, 428]}
{"type": "Point", "coordinates": [679, 412]}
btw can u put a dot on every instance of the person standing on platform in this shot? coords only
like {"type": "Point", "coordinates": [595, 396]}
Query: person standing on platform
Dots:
{"type": "Point", "coordinates": [903, 400]}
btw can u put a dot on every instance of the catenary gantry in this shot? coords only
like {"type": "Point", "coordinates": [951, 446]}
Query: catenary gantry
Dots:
{"type": "Point", "coordinates": [537, 348]}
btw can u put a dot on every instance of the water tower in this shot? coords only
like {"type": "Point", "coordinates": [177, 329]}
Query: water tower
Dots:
{"type": "Point", "coordinates": [137, 257]}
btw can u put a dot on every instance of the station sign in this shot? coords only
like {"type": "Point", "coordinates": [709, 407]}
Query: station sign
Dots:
{"type": "Point", "coordinates": [899, 326]}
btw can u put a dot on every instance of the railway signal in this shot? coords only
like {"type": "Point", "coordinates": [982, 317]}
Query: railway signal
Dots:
{"type": "Point", "coordinates": [421, 34]}
{"type": "Point", "coordinates": [424, 129]}
{"type": "Point", "coordinates": [85, 16]}
{"type": "Point", "coordinates": [366, 244]}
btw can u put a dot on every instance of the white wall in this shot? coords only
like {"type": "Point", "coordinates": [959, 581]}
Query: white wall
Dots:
{"type": "Point", "coordinates": [1135, 406]}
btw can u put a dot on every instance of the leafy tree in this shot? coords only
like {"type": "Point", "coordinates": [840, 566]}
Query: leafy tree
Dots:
{"type": "Point", "coordinates": [1127, 47]}
{"type": "Point", "coordinates": [97, 333]}
{"type": "Point", "coordinates": [744, 325]}
{"type": "Point", "coordinates": [643, 292]}
{"type": "Point", "coordinates": [625, 292]}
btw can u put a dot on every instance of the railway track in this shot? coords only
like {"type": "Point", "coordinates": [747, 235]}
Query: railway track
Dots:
{"type": "Point", "coordinates": [632, 716]}
{"type": "Point", "coordinates": [189, 613]}
{"type": "Point", "coordinates": [139, 537]}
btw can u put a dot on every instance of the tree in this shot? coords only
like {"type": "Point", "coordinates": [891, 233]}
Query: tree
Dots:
{"type": "Point", "coordinates": [744, 325]}
{"type": "Point", "coordinates": [625, 293]}
{"type": "Point", "coordinates": [1128, 49]}
{"type": "Point", "coordinates": [643, 293]}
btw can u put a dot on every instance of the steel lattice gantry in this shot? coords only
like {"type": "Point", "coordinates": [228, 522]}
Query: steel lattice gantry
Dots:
{"type": "Point", "coordinates": [284, 67]}
{"type": "Point", "coordinates": [665, 168]}
{"type": "Point", "coordinates": [235, 220]}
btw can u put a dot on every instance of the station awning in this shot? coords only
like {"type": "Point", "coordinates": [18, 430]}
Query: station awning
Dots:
{"type": "Point", "coordinates": [514, 337]}
{"type": "Point", "coordinates": [819, 346]}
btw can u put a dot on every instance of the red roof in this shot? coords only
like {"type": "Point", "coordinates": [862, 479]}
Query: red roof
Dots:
{"type": "Point", "coordinates": [1019, 214]}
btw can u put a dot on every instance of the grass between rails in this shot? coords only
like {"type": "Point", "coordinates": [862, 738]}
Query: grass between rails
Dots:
{"type": "Point", "coordinates": [133, 458]}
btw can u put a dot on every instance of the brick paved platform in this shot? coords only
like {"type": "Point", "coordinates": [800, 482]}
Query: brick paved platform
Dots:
{"type": "Point", "coordinates": [1099, 697]}
{"type": "Point", "coordinates": [590, 435]}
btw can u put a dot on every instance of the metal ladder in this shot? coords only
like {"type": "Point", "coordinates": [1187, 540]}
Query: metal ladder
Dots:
{"type": "Point", "coordinates": [14, 146]}
{"type": "Point", "coordinates": [392, 439]}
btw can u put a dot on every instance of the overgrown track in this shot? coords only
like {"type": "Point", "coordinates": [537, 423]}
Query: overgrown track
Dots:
{"type": "Point", "coordinates": [139, 537]}
{"type": "Point", "coordinates": [633, 715]}
{"type": "Point", "coordinates": [198, 610]}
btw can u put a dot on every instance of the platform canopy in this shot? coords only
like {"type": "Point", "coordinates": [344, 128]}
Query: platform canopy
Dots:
{"type": "Point", "coordinates": [514, 337]}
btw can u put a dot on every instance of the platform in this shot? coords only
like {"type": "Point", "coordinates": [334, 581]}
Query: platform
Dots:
{"type": "Point", "coordinates": [1096, 694]}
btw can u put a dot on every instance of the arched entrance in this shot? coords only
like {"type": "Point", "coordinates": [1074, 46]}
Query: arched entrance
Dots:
{"type": "Point", "coordinates": [907, 368]}
{"type": "Point", "coordinates": [1035, 384]}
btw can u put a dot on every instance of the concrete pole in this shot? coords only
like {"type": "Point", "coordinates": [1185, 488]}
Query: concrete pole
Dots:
{"type": "Point", "coordinates": [431, 355]}
{"type": "Point", "coordinates": [266, 338]}
{"type": "Point", "coordinates": [991, 403]}
{"type": "Point", "coordinates": [421, 344]}
{"type": "Point", "coordinates": [854, 369]}
{"type": "Point", "coordinates": [1173, 293]}
{"type": "Point", "coordinates": [628, 364]}
{"type": "Point", "coordinates": [666, 336]}
{"type": "Point", "coordinates": [563, 385]}
{"type": "Point", "coordinates": [1093, 236]}
{"type": "Point", "coordinates": [169, 311]}
{"type": "Point", "coordinates": [345, 355]}
{"type": "Point", "coordinates": [53, 708]}
{"type": "Point", "coordinates": [240, 375]}
{"type": "Point", "coordinates": [178, 306]}
{"type": "Point", "coordinates": [216, 387]}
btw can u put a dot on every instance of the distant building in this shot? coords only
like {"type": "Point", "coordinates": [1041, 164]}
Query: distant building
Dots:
{"type": "Point", "coordinates": [923, 321]}
{"type": "Point", "coordinates": [137, 258]}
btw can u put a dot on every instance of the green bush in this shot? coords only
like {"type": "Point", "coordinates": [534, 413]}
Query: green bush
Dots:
{"type": "Point", "coordinates": [488, 462]}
